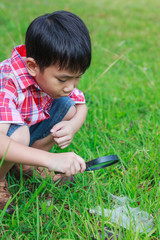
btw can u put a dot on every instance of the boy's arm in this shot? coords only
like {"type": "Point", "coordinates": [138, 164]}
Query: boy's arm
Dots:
{"type": "Point", "coordinates": [64, 131]}
{"type": "Point", "coordinates": [79, 118]}
{"type": "Point", "coordinates": [68, 163]}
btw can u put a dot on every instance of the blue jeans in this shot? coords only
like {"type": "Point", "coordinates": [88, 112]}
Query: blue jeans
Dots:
{"type": "Point", "coordinates": [42, 129]}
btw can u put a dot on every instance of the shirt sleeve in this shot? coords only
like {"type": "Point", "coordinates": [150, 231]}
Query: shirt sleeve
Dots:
{"type": "Point", "coordinates": [8, 111]}
{"type": "Point", "coordinates": [77, 96]}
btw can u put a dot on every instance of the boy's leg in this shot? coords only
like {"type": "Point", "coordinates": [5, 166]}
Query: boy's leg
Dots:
{"type": "Point", "coordinates": [19, 134]}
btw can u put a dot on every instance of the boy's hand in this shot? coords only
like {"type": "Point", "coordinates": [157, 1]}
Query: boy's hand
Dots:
{"type": "Point", "coordinates": [62, 134]}
{"type": "Point", "coordinates": [67, 163]}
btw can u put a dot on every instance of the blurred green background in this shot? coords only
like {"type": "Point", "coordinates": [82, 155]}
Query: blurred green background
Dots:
{"type": "Point", "coordinates": [122, 94]}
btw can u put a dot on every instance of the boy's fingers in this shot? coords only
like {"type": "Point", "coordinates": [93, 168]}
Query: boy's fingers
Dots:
{"type": "Point", "coordinates": [56, 127]}
{"type": "Point", "coordinates": [62, 140]}
{"type": "Point", "coordinates": [75, 168]}
{"type": "Point", "coordinates": [82, 163]}
{"type": "Point", "coordinates": [64, 146]}
{"type": "Point", "coordinates": [59, 133]}
{"type": "Point", "coordinates": [83, 167]}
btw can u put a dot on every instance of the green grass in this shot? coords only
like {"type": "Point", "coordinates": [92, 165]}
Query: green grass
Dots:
{"type": "Point", "coordinates": [122, 92]}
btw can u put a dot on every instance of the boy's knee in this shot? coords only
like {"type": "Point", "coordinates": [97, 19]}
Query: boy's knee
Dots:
{"type": "Point", "coordinates": [71, 112]}
{"type": "Point", "coordinates": [22, 135]}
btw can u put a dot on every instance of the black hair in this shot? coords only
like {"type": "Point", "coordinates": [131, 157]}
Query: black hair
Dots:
{"type": "Point", "coordinates": [59, 38]}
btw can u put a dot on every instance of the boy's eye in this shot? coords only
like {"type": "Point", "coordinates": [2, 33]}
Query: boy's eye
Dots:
{"type": "Point", "coordinates": [62, 80]}
{"type": "Point", "coordinates": [65, 80]}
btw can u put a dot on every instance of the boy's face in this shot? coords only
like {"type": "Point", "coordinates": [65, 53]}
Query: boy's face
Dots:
{"type": "Point", "coordinates": [57, 83]}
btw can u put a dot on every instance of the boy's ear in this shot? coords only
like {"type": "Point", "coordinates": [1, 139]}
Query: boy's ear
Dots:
{"type": "Point", "coordinates": [32, 66]}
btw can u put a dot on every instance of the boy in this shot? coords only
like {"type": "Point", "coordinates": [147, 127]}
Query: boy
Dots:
{"type": "Point", "coordinates": [39, 102]}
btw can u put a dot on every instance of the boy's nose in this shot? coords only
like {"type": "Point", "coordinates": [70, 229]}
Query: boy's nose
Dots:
{"type": "Point", "coordinates": [69, 88]}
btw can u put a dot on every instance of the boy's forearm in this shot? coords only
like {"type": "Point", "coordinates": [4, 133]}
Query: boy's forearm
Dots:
{"type": "Point", "coordinates": [68, 163]}
{"type": "Point", "coordinates": [18, 153]}
{"type": "Point", "coordinates": [80, 116]}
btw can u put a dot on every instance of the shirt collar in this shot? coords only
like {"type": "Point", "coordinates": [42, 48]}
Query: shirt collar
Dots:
{"type": "Point", "coordinates": [19, 67]}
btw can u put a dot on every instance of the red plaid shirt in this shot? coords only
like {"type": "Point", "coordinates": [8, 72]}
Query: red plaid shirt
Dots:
{"type": "Point", "coordinates": [21, 99]}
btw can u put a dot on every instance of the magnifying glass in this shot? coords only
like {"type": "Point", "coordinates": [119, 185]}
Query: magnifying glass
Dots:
{"type": "Point", "coordinates": [101, 162]}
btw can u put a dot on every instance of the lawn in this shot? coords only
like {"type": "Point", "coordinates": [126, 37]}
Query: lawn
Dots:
{"type": "Point", "coordinates": [121, 89]}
